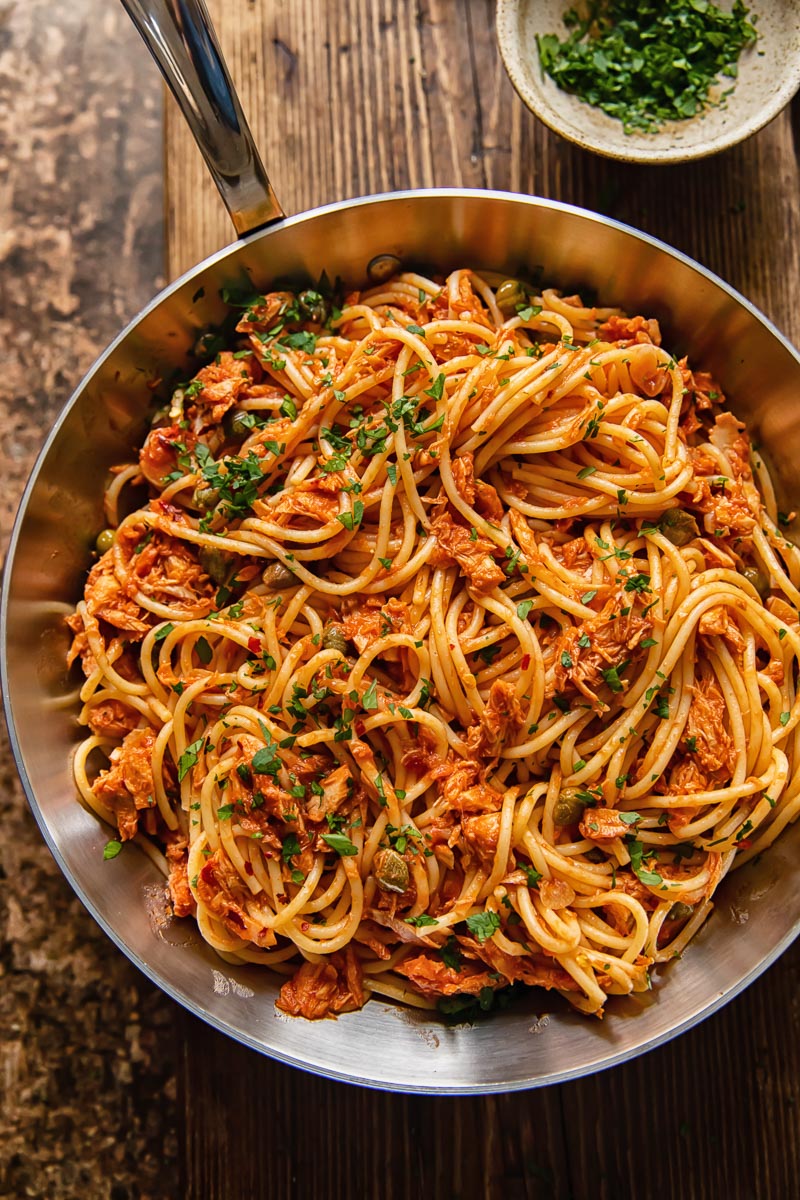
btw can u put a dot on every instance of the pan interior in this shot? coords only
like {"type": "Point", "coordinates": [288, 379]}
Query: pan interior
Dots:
{"type": "Point", "coordinates": [533, 1043]}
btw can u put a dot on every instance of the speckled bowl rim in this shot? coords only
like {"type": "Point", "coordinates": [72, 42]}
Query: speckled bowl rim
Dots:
{"type": "Point", "coordinates": [507, 14]}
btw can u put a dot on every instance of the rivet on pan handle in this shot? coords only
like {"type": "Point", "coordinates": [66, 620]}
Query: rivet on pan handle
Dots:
{"type": "Point", "coordinates": [180, 37]}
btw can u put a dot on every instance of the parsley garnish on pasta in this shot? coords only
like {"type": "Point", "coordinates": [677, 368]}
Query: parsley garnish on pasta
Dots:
{"type": "Point", "coordinates": [444, 639]}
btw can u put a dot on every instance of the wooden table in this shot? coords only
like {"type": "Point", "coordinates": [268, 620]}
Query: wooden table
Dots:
{"type": "Point", "coordinates": [348, 97]}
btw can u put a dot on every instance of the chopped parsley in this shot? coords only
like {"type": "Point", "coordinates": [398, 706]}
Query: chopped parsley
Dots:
{"type": "Point", "coordinates": [483, 925]}
{"type": "Point", "coordinates": [204, 652]}
{"type": "Point", "coordinates": [645, 62]}
{"type": "Point", "coordinates": [611, 677]}
{"type": "Point", "coordinates": [236, 480]}
{"type": "Point", "coordinates": [436, 390]}
{"type": "Point", "coordinates": [532, 874]}
{"type": "Point", "coordinates": [188, 759]}
{"type": "Point", "coordinates": [265, 761]}
{"type": "Point", "coordinates": [637, 853]}
{"type": "Point", "coordinates": [302, 340]}
{"type": "Point", "coordinates": [290, 847]}
{"type": "Point", "coordinates": [451, 955]}
{"type": "Point", "coordinates": [341, 844]}
{"type": "Point", "coordinates": [638, 583]}
{"type": "Point", "coordinates": [351, 520]}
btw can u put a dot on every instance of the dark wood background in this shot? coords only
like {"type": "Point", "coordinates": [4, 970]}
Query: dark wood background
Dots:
{"type": "Point", "coordinates": [345, 97]}
{"type": "Point", "coordinates": [348, 97]}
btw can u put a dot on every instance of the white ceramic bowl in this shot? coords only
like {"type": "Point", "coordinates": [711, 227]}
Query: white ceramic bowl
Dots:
{"type": "Point", "coordinates": [769, 75]}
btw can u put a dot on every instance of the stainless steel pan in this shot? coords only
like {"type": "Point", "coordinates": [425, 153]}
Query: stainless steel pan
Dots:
{"type": "Point", "coordinates": [758, 913]}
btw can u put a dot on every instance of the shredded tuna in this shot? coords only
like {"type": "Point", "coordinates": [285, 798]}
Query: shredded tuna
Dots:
{"type": "Point", "coordinates": [310, 500]}
{"type": "Point", "coordinates": [164, 568]}
{"type": "Point", "coordinates": [365, 622]}
{"type": "Point", "coordinates": [482, 496]}
{"type": "Point", "coordinates": [223, 382]}
{"type": "Point", "coordinates": [162, 449]}
{"type": "Point", "coordinates": [430, 976]}
{"type": "Point", "coordinates": [336, 788]}
{"type": "Point", "coordinates": [263, 315]}
{"type": "Point", "coordinates": [499, 721]}
{"type": "Point", "coordinates": [325, 988]}
{"type": "Point", "coordinates": [719, 622]}
{"type": "Point", "coordinates": [705, 724]}
{"type": "Point", "coordinates": [127, 785]}
{"type": "Point", "coordinates": [627, 331]}
{"type": "Point", "coordinates": [470, 550]}
{"type": "Point", "coordinates": [612, 639]}
{"type": "Point", "coordinates": [535, 971]}
{"type": "Point", "coordinates": [183, 903]}
{"type": "Point", "coordinates": [112, 718]}
{"type": "Point", "coordinates": [602, 825]}
{"type": "Point", "coordinates": [107, 600]}
{"type": "Point", "coordinates": [222, 891]}
{"type": "Point", "coordinates": [481, 834]}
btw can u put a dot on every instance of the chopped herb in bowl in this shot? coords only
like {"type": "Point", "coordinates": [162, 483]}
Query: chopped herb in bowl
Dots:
{"type": "Point", "coordinates": [647, 62]}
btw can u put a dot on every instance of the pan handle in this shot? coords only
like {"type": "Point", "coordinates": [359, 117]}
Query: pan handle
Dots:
{"type": "Point", "coordinates": [181, 38]}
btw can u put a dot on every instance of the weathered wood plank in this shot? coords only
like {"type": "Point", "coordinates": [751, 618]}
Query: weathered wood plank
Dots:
{"type": "Point", "coordinates": [714, 1113]}
{"type": "Point", "coordinates": [362, 96]}
{"type": "Point", "coordinates": [353, 97]}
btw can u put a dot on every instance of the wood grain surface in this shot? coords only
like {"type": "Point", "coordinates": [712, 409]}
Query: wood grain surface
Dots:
{"type": "Point", "coordinates": [87, 1097]}
{"type": "Point", "coordinates": [358, 96]}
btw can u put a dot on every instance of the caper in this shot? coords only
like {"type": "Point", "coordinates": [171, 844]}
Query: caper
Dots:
{"type": "Point", "coordinates": [313, 306]}
{"type": "Point", "coordinates": [209, 344]}
{"type": "Point", "coordinates": [216, 563]}
{"type": "Point", "coordinates": [678, 527]}
{"type": "Point", "coordinates": [204, 497]}
{"type": "Point", "coordinates": [680, 911]}
{"type": "Point", "coordinates": [105, 540]}
{"type": "Point", "coordinates": [391, 871]}
{"type": "Point", "coordinates": [569, 806]}
{"type": "Point", "coordinates": [511, 294]}
{"type": "Point", "coordinates": [333, 639]}
{"type": "Point", "coordinates": [278, 576]}
{"type": "Point", "coordinates": [758, 579]}
{"type": "Point", "coordinates": [238, 424]}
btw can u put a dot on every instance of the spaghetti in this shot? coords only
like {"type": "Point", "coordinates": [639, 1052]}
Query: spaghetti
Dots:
{"type": "Point", "coordinates": [454, 646]}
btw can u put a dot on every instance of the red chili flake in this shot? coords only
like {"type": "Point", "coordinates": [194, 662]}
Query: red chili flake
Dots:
{"type": "Point", "coordinates": [248, 868]}
{"type": "Point", "coordinates": [744, 843]}
{"type": "Point", "coordinates": [171, 511]}
{"type": "Point", "coordinates": [526, 662]}
{"type": "Point", "coordinates": [360, 727]}
{"type": "Point", "coordinates": [234, 916]}
{"type": "Point", "coordinates": [254, 644]}
{"type": "Point", "coordinates": [304, 925]}
{"type": "Point", "coordinates": [207, 874]}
